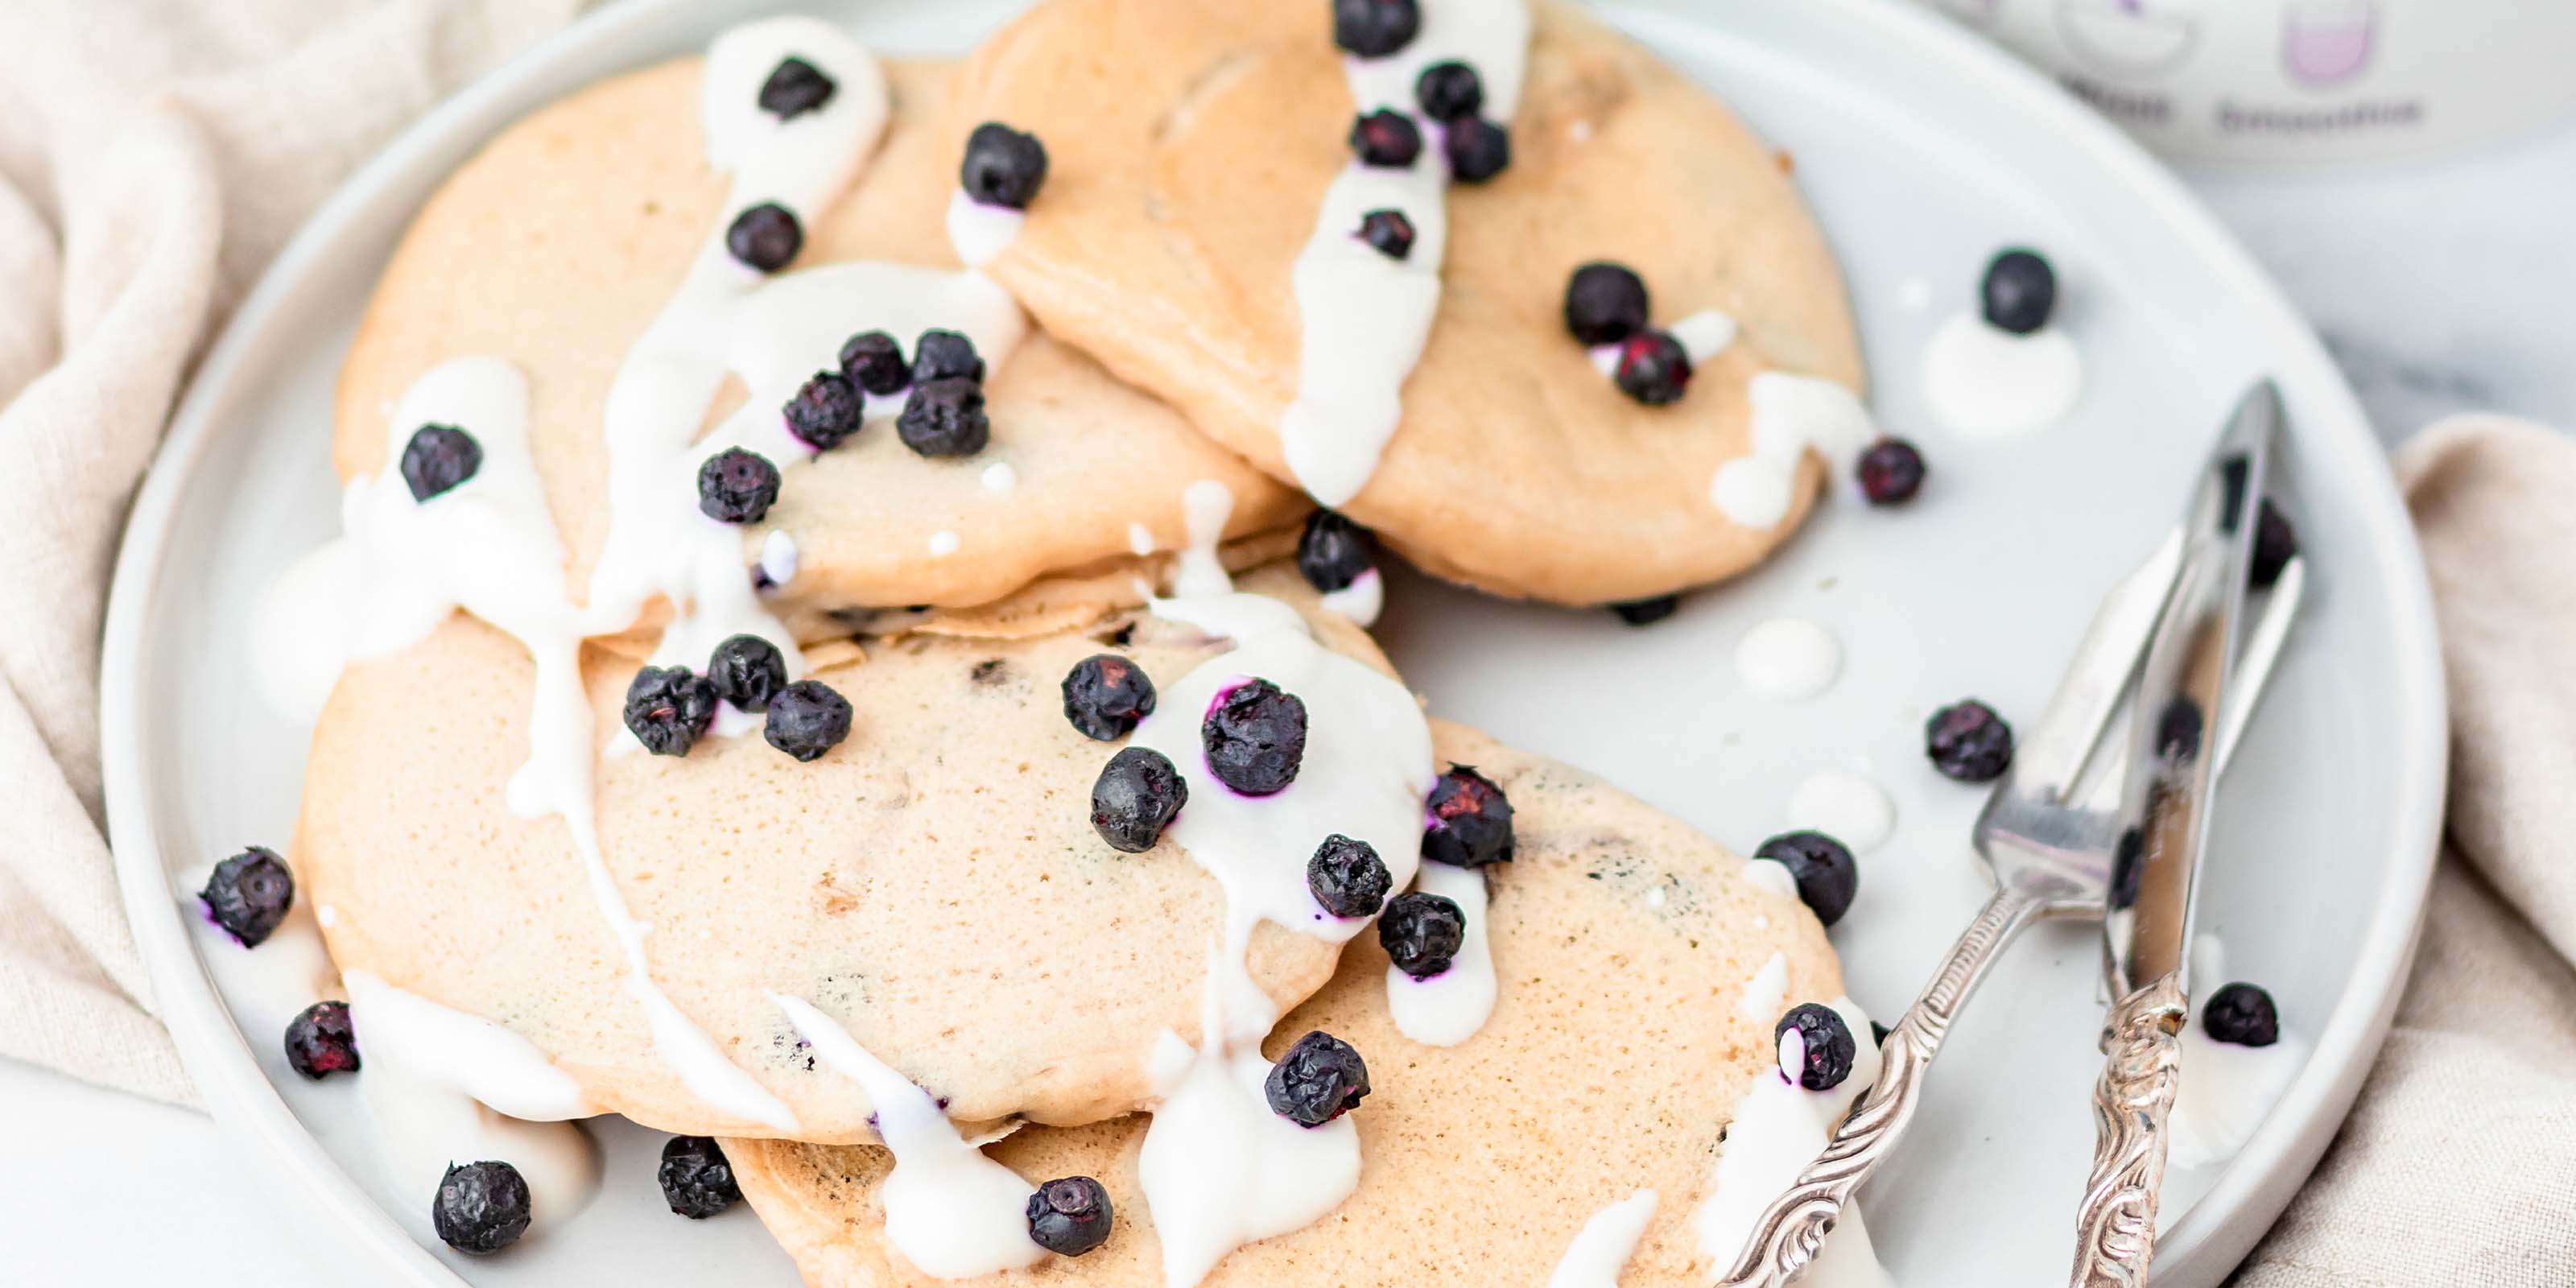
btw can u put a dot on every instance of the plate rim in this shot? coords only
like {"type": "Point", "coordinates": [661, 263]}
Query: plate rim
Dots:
{"type": "Point", "coordinates": [2209, 1239]}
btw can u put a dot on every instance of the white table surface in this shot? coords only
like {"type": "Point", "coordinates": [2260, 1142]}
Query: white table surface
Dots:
{"type": "Point", "coordinates": [2442, 286]}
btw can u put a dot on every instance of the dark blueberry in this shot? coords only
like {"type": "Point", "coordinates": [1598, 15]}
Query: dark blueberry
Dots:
{"type": "Point", "coordinates": [249, 893]}
{"type": "Point", "coordinates": [1449, 91]}
{"type": "Point", "coordinates": [1003, 167]}
{"type": "Point", "coordinates": [2128, 863]}
{"type": "Point", "coordinates": [1653, 368]}
{"type": "Point", "coordinates": [826, 411]}
{"type": "Point", "coordinates": [668, 708]}
{"type": "Point", "coordinates": [747, 671]}
{"type": "Point", "coordinates": [1348, 877]}
{"type": "Point", "coordinates": [1469, 821]}
{"type": "Point", "coordinates": [481, 1207]}
{"type": "Point", "coordinates": [1134, 799]}
{"type": "Point", "coordinates": [806, 719]}
{"type": "Point", "coordinates": [2275, 544]}
{"type": "Point", "coordinates": [1386, 138]}
{"type": "Point", "coordinates": [945, 355]}
{"type": "Point", "coordinates": [1105, 695]}
{"type": "Point", "coordinates": [696, 1177]}
{"type": "Point", "coordinates": [795, 88]}
{"type": "Point", "coordinates": [1605, 303]}
{"type": "Point", "coordinates": [2020, 291]}
{"type": "Point", "coordinates": [765, 237]}
{"type": "Point", "coordinates": [1647, 612]}
{"type": "Point", "coordinates": [1319, 1079]}
{"type": "Point", "coordinates": [2242, 1014]}
{"type": "Point", "coordinates": [1968, 742]}
{"type": "Point", "coordinates": [945, 418]}
{"type": "Point", "coordinates": [1333, 551]}
{"type": "Point", "coordinates": [1388, 231]}
{"type": "Point", "coordinates": [1891, 472]}
{"type": "Point", "coordinates": [874, 362]}
{"type": "Point", "coordinates": [437, 458]}
{"type": "Point", "coordinates": [1069, 1217]}
{"type": "Point", "coordinates": [1478, 150]}
{"type": "Point", "coordinates": [736, 486]}
{"type": "Point", "coordinates": [1375, 28]}
{"type": "Point", "coordinates": [319, 1040]}
{"type": "Point", "coordinates": [2178, 730]}
{"type": "Point", "coordinates": [1827, 878]}
{"type": "Point", "coordinates": [1828, 1043]}
{"type": "Point", "coordinates": [1421, 933]}
{"type": "Point", "coordinates": [1255, 737]}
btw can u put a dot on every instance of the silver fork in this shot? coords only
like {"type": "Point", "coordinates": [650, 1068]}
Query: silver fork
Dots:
{"type": "Point", "coordinates": [2045, 846]}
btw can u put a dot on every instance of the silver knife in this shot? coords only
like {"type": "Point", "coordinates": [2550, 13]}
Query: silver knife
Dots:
{"type": "Point", "coordinates": [2183, 684]}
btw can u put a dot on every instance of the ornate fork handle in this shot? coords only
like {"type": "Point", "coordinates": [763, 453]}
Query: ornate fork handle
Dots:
{"type": "Point", "coordinates": [2116, 1229]}
{"type": "Point", "coordinates": [1792, 1230]}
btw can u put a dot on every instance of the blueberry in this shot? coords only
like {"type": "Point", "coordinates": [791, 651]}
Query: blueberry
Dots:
{"type": "Point", "coordinates": [1653, 368]}
{"type": "Point", "coordinates": [1605, 303]}
{"type": "Point", "coordinates": [437, 458]}
{"type": "Point", "coordinates": [1891, 472]}
{"type": "Point", "coordinates": [806, 719]}
{"type": "Point", "coordinates": [1348, 877]}
{"type": "Point", "coordinates": [765, 237]}
{"type": "Point", "coordinates": [1470, 823]}
{"type": "Point", "coordinates": [874, 362]}
{"type": "Point", "coordinates": [1070, 1216]}
{"type": "Point", "coordinates": [794, 88]}
{"type": "Point", "coordinates": [1827, 1042]}
{"type": "Point", "coordinates": [2020, 291]}
{"type": "Point", "coordinates": [1333, 551]}
{"type": "Point", "coordinates": [1105, 695]}
{"type": "Point", "coordinates": [1647, 612]}
{"type": "Point", "coordinates": [1389, 231]}
{"type": "Point", "coordinates": [736, 486]}
{"type": "Point", "coordinates": [1319, 1079]}
{"type": "Point", "coordinates": [1823, 868]}
{"type": "Point", "coordinates": [747, 671]}
{"type": "Point", "coordinates": [2178, 729]}
{"type": "Point", "coordinates": [696, 1177]}
{"type": "Point", "coordinates": [481, 1207]}
{"type": "Point", "coordinates": [248, 894]}
{"type": "Point", "coordinates": [1375, 28]}
{"type": "Point", "coordinates": [2242, 1014]}
{"type": "Point", "coordinates": [1134, 799]}
{"type": "Point", "coordinates": [1421, 933]}
{"type": "Point", "coordinates": [945, 418]}
{"type": "Point", "coordinates": [1003, 167]}
{"type": "Point", "coordinates": [1449, 91]}
{"type": "Point", "coordinates": [1255, 737]}
{"type": "Point", "coordinates": [1478, 150]}
{"type": "Point", "coordinates": [1386, 138]}
{"type": "Point", "coordinates": [1968, 742]}
{"type": "Point", "coordinates": [826, 411]}
{"type": "Point", "coordinates": [668, 708]}
{"type": "Point", "coordinates": [319, 1040]}
{"type": "Point", "coordinates": [2275, 544]}
{"type": "Point", "coordinates": [945, 355]}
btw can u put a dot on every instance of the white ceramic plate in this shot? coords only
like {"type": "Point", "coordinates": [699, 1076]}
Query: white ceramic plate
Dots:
{"type": "Point", "coordinates": [1924, 152]}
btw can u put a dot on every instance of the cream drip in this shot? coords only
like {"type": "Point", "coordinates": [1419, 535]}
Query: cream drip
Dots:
{"type": "Point", "coordinates": [1791, 414]}
{"type": "Point", "coordinates": [1778, 1128]}
{"type": "Point", "coordinates": [1986, 382]}
{"type": "Point", "coordinates": [1602, 1248]}
{"type": "Point", "coordinates": [1448, 1008]}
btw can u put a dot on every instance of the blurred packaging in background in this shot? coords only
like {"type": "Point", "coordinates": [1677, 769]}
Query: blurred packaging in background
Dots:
{"type": "Point", "coordinates": [2299, 81]}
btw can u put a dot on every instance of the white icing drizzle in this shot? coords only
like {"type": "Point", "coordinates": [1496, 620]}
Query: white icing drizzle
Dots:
{"type": "Point", "coordinates": [950, 1210]}
{"type": "Point", "coordinates": [1986, 382]}
{"type": "Point", "coordinates": [943, 543]}
{"type": "Point", "coordinates": [1845, 806]}
{"type": "Point", "coordinates": [1361, 601]}
{"type": "Point", "coordinates": [778, 557]}
{"type": "Point", "coordinates": [1772, 875]}
{"type": "Point", "coordinates": [1602, 1248]}
{"type": "Point", "coordinates": [1000, 477]}
{"type": "Point", "coordinates": [1778, 1128]}
{"type": "Point", "coordinates": [1790, 415]}
{"type": "Point", "coordinates": [978, 231]}
{"type": "Point", "coordinates": [2226, 1090]}
{"type": "Point", "coordinates": [1205, 507]}
{"type": "Point", "coordinates": [1788, 658]}
{"type": "Point", "coordinates": [1705, 334]}
{"type": "Point", "coordinates": [1364, 317]}
{"type": "Point", "coordinates": [1447, 1009]}
{"type": "Point", "coordinates": [1140, 539]}
{"type": "Point", "coordinates": [1764, 992]}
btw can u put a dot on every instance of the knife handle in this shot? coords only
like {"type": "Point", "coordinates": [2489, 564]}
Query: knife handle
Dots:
{"type": "Point", "coordinates": [2115, 1230]}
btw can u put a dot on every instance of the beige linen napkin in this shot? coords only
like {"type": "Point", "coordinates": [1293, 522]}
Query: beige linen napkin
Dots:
{"type": "Point", "coordinates": [153, 155]}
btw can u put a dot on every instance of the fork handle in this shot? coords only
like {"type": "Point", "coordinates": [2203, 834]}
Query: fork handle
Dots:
{"type": "Point", "coordinates": [1792, 1230]}
{"type": "Point", "coordinates": [2116, 1228]}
